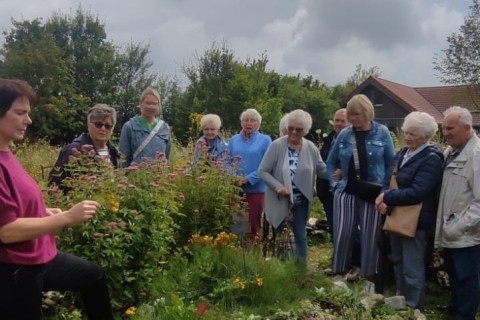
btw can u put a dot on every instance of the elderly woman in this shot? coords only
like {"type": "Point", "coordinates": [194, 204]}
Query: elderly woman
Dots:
{"type": "Point", "coordinates": [419, 168]}
{"type": "Point", "coordinates": [288, 169]}
{"type": "Point", "coordinates": [246, 150]}
{"type": "Point", "coordinates": [146, 135]}
{"type": "Point", "coordinates": [101, 120]}
{"type": "Point", "coordinates": [29, 260]}
{"type": "Point", "coordinates": [363, 152]}
{"type": "Point", "coordinates": [210, 141]}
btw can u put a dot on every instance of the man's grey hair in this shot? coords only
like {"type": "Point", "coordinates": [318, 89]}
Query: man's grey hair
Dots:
{"type": "Point", "coordinates": [464, 114]}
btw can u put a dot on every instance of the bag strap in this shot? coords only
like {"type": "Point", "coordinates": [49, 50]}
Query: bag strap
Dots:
{"type": "Point", "coordinates": [148, 138]}
{"type": "Point", "coordinates": [356, 162]}
{"type": "Point", "coordinates": [393, 179]}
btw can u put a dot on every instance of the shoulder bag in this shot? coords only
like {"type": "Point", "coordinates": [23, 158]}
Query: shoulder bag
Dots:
{"type": "Point", "coordinates": [402, 220]}
{"type": "Point", "coordinates": [365, 190]}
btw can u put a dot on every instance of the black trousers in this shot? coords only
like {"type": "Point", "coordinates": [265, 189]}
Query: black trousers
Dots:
{"type": "Point", "coordinates": [21, 287]}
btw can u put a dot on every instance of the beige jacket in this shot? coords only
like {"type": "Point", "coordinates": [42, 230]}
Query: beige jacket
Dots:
{"type": "Point", "coordinates": [458, 216]}
{"type": "Point", "coordinates": [274, 170]}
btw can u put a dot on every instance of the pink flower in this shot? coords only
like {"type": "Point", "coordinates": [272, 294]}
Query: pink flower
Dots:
{"type": "Point", "coordinates": [87, 148]}
{"type": "Point", "coordinates": [181, 197]}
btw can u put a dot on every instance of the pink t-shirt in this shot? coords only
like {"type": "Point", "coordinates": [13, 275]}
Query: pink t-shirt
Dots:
{"type": "Point", "coordinates": [20, 197]}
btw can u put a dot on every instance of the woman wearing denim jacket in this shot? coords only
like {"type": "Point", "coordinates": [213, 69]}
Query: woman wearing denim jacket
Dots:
{"type": "Point", "coordinates": [376, 154]}
{"type": "Point", "coordinates": [138, 128]}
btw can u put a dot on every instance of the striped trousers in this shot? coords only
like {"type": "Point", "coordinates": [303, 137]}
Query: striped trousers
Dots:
{"type": "Point", "coordinates": [350, 213]}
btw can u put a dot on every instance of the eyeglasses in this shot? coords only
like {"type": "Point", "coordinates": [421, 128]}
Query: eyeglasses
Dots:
{"type": "Point", "coordinates": [297, 130]}
{"type": "Point", "coordinates": [99, 125]}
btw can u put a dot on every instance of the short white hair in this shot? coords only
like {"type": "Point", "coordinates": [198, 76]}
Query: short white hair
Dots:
{"type": "Point", "coordinates": [212, 119]}
{"type": "Point", "coordinates": [302, 117]}
{"type": "Point", "coordinates": [424, 124]}
{"type": "Point", "coordinates": [464, 114]}
{"type": "Point", "coordinates": [252, 113]}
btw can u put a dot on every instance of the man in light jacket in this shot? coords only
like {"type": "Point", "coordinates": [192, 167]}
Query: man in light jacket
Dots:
{"type": "Point", "coordinates": [458, 219]}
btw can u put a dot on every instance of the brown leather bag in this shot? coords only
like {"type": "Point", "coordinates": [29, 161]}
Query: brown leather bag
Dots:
{"type": "Point", "coordinates": [402, 220]}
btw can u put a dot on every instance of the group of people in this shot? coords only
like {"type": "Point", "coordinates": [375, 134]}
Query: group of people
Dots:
{"type": "Point", "coordinates": [445, 183]}
{"type": "Point", "coordinates": [276, 178]}
{"type": "Point", "coordinates": [145, 137]}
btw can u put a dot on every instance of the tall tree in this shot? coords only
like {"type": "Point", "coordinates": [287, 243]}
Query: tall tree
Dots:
{"type": "Point", "coordinates": [460, 62]}
{"type": "Point", "coordinates": [131, 78]}
{"type": "Point", "coordinates": [360, 74]}
{"type": "Point", "coordinates": [72, 65]}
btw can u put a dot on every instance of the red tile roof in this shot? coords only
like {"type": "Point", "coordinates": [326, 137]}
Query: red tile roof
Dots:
{"type": "Point", "coordinates": [433, 100]}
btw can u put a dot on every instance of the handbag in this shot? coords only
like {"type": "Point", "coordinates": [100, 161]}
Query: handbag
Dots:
{"type": "Point", "coordinates": [365, 190]}
{"type": "Point", "coordinates": [402, 220]}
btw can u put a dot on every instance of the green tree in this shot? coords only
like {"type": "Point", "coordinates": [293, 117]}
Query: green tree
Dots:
{"type": "Point", "coordinates": [360, 74]}
{"type": "Point", "coordinates": [72, 65]}
{"type": "Point", "coordinates": [310, 95]}
{"type": "Point", "coordinates": [32, 55]}
{"type": "Point", "coordinates": [459, 63]}
{"type": "Point", "coordinates": [131, 78]}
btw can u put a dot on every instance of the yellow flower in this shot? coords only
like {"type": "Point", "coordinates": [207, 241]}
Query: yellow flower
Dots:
{"type": "Point", "coordinates": [237, 282]}
{"type": "Point", "coordinates": [131, 311]}
{"type": "Point", "coordinates": [259, 281]}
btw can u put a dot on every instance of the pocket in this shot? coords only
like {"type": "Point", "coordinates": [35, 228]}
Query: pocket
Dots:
{"type": "Point", "coordinates": [452, 227]}
{"type": "Point", "coordinates": [377, 148]}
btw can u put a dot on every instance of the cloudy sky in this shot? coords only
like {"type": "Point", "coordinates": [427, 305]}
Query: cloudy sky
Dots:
{"type": "Point", "coordinates": [322, 38]}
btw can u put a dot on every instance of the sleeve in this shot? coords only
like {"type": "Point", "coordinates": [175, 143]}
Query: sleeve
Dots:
{"type": "Point", "coordinates": [125, 144]}
{"type": "Point", "coordinates": [333, 163]}
{"type": "Point", "coordinates": [58, 173]}
{"type": "Point", "coordinates": [8, 206]}
{"type": "Point", "coordinates": [268, 164]}
{"type": "Point", "coordinates": [389, 152]}
{"type": "Point", "coordinates": [321, 167]}
{"type": "Point", "coordinates": [424, 183]}
{"type": "Point", "coordinates": [253, 178]}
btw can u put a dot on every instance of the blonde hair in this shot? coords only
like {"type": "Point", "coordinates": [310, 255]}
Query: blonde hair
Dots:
{"type": "Point", "coordinates": [362, 103]}
{"type": "Point", "coordinates": [153, 92]}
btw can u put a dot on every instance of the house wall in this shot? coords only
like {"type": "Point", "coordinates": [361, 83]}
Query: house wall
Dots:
{"type": "Point", "coordinates": [387, 111]}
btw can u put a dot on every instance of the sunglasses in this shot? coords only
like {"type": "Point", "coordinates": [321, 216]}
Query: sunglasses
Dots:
{"type": "Point", "coordinates": [99, 125]}
{"type": "Point", "coordinates": [297, 130]}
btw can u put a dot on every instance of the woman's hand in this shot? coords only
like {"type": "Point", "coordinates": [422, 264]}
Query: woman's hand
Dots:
{"type": "Point", "coordinates": [282, 191]}
{"type": "Point", "coordinates": [337, 175]}
{"type": "Point", "coordinates": [380, 205]}
{"type": "Point", "coordinates": [82, 211]}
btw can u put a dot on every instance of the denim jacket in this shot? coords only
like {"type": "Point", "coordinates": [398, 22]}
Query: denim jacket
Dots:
{"type": "Point", "coordinates": [380, 153]}
{"type": "Point", "coordinates": [132, 136]}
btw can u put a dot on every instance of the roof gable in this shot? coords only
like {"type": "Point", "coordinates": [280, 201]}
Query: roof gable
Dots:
{"type": "Point", "coordinates": [432, 100]}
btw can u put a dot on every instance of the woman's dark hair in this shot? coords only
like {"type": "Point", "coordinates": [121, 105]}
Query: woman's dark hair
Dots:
{"type": "Point", "coordinates": [11, 90]}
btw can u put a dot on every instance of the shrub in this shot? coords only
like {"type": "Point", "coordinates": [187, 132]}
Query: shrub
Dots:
{"type": "Point", "coordinates": [132, 232]}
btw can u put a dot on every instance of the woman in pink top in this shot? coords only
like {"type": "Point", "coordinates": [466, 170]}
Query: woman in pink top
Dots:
{"type": "Point", "coordinates": [29, 260]}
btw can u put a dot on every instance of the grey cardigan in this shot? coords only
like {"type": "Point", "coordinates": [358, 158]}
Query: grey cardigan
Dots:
{"type": "Point", "coordinates": [274, 170]}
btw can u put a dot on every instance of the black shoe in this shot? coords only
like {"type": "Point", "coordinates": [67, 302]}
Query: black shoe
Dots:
{"type": "Point", "coordinates": [445, 308]}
